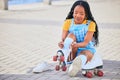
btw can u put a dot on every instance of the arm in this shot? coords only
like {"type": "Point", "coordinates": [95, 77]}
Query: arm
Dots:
{"type": "Point", "coordinates": [64, 35]}
{"type": "Point", "coordinates": [66, 26]}
{"type": "Point", "coordinates": [87, 39]}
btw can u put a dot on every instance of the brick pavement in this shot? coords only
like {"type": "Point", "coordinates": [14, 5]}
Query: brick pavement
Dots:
{"type": "Point", "coordinates": [26, 40]}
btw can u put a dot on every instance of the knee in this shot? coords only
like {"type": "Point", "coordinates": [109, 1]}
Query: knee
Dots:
{"type": "Point", "coordinates": [71, 35]}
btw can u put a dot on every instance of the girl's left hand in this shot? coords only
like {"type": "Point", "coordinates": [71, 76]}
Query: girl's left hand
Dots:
{"type": "Point", "coordinates": [74, 45]}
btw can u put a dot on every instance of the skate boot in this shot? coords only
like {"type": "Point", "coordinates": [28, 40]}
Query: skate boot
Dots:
{"type": "Point", "coordinates": [94, 67]}
{"type": "Point", "coordinates": [61, 60]}
{"type": "Point", "coordinates": [75, 67]}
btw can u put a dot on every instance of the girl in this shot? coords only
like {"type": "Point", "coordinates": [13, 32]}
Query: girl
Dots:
{"type": "Point", "coordinates": [80, 36]}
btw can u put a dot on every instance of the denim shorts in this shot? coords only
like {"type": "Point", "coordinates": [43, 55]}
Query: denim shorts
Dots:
{"type": "Point", "coordinates": [92, 50]}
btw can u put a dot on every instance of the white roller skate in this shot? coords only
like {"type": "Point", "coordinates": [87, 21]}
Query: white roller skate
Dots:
{"type": "Point", "coordinates": [75, 67]}
{"type": "Point", "coordinates": [94, 67]}
{"type": "Point", "coordinates": [61, 59]}
{"type": "Point", "coordinates": [77, 64]}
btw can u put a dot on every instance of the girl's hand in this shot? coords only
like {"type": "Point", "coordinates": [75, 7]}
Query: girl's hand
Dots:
{"type": "Point", "coordinates": [61, 44]}
{"type": "Point", "coordinates": [74, 45]}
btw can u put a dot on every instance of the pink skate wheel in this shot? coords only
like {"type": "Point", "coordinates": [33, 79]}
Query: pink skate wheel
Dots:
{"type": "Point", "coordinates": [55, 58]}
{"type": "Point", "coordinates": [100, 73]}
{"type": "Point", "coordinates": [57, 67]}
{"type": "Point", "coordinates": [61, 58]}
{"type": "Point", "coordinates": [64, 68]}
{"type": "Point", "coordinates": [89, 75]}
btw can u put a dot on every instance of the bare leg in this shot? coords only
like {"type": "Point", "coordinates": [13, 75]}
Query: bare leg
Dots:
{"type": "Point", "coordinates": [88, 54]}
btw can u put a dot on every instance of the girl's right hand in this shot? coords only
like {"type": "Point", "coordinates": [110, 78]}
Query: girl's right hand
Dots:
{"type": "Point", "coordinates": [61, 44]}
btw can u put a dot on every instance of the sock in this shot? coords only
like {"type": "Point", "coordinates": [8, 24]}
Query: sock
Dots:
{"type": "Point", "coordinates": [68, 41]}
{"type": "Point", "coordinates": [83, 59]}
{"type": "Point", "coordinates": [66, 49]}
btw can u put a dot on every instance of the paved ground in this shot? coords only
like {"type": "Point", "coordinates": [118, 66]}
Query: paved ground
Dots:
{"type": "Point", "coordinates": [29, 35]}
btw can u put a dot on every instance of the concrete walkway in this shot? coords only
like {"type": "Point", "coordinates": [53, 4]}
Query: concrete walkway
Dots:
{"type": "Point", "coordinates": [29, 35]}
